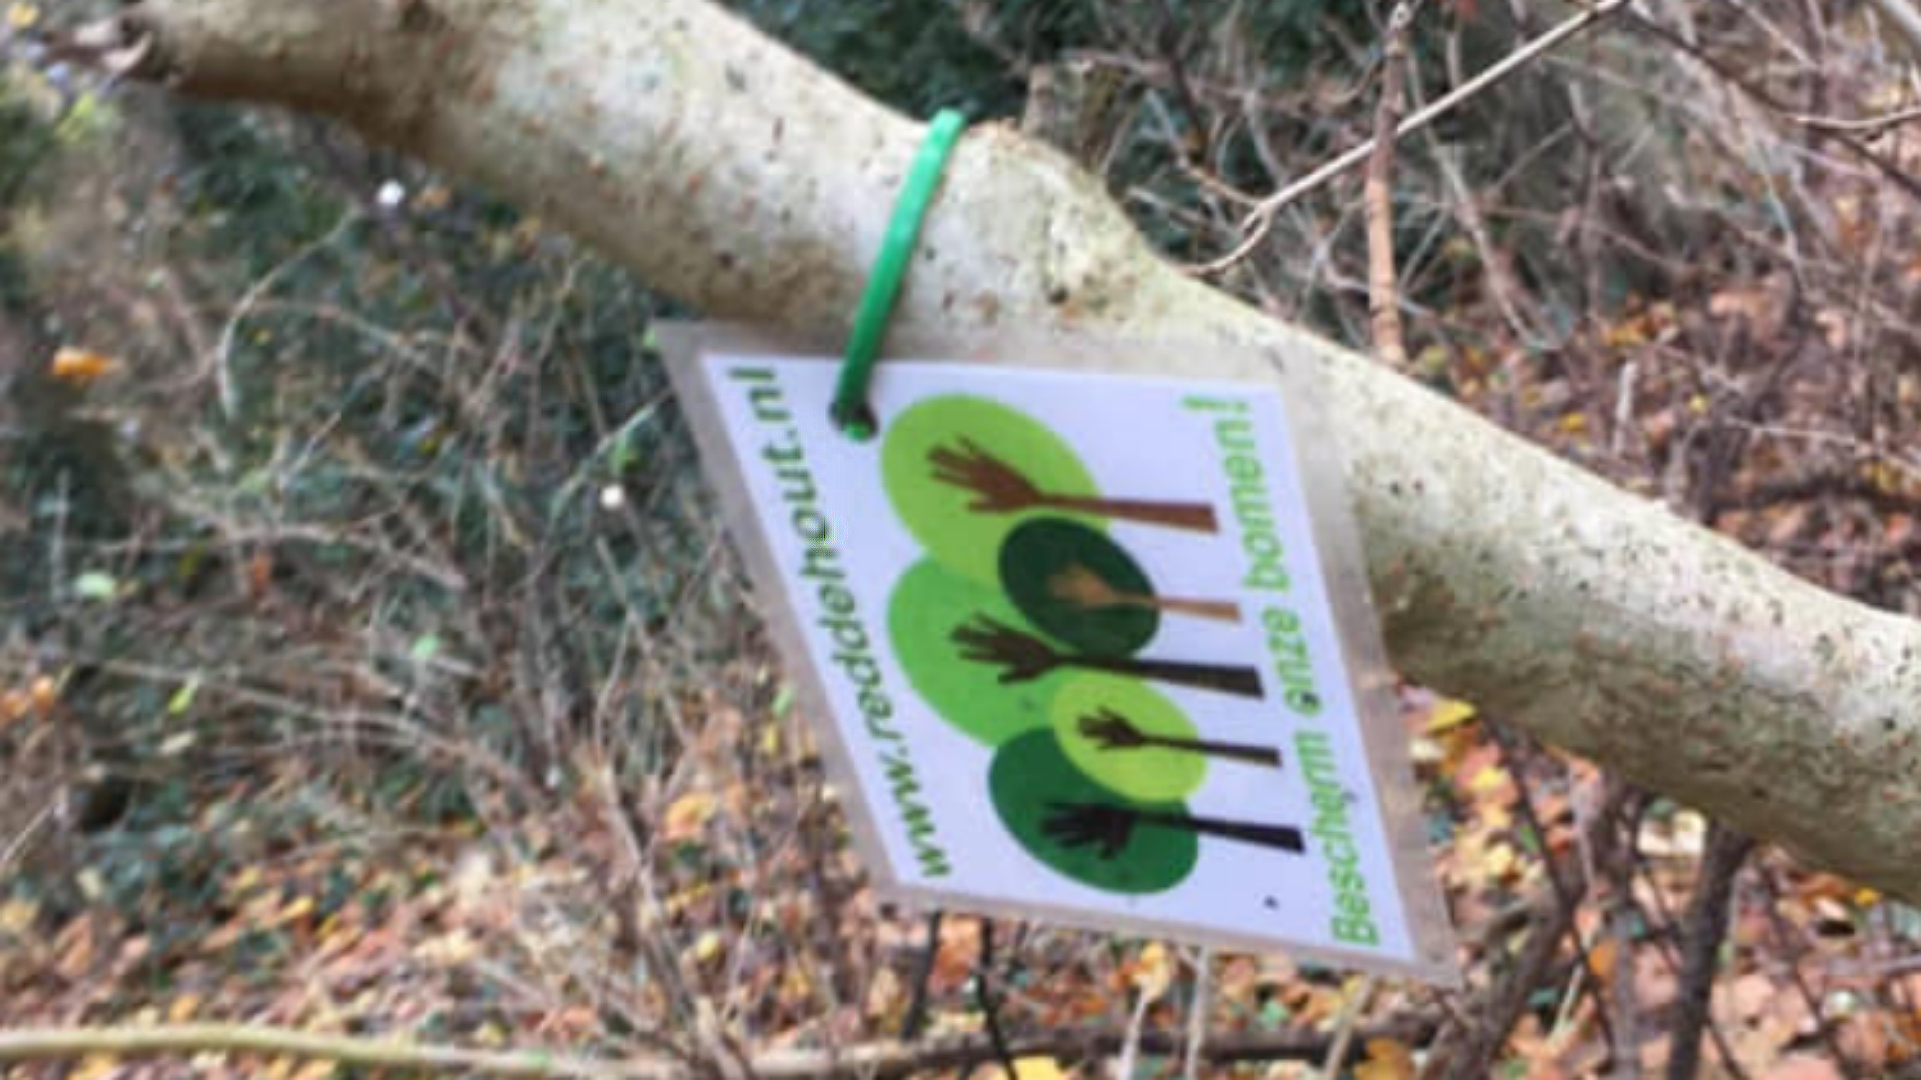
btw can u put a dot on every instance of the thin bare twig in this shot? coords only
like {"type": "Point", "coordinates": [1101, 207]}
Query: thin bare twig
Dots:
{"type": "Point", "coordinates": [1383, 288]}
{"type": "Point", "coordinates": [1260, 221]}
{"type": "Point", "coordinates": [872, 1061]}
{"type": "Point", "coordinates": [1344, 1029]}
{"type": "Point", "coordinates": [1467, 1049]}
{"type": "Point", "coordinates": [1727, 73]}
{"type": "Point", "coordinates": [1706, 927]}
{"type": "Point", "coordinates": [1866, 126]}
{"type": "Point", "coordinates": [1905, 17]}
{"type": "Point", "coordinates": [223, 355]}
{"type": "Point", "coordinates": [1197, 1015]}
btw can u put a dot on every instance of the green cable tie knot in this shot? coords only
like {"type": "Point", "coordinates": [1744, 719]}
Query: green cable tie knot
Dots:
{"type": "Point", "coordinates": [850, 412]}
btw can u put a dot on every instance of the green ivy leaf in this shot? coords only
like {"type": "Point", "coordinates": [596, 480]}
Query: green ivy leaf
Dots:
{"type": "Point", "coordinates": [182, 699]}
{"type": "Point", "coordinates": [425, 648]}
{"type": "Point", "coordinates": [94, 585]}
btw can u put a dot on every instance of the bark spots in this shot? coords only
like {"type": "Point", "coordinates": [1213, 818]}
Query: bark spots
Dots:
{"type": "Point", "coordinates": [418, 17]}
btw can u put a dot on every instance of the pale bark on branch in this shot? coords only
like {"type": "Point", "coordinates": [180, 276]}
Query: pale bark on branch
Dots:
{"type": "Point", "coordinates": [866, 1061]}
{"type": "Point", "coordinates": [738, 177]}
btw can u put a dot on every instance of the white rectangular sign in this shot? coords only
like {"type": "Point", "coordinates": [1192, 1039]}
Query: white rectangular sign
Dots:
{"type": "Point", "coordinates": [1071, 638]}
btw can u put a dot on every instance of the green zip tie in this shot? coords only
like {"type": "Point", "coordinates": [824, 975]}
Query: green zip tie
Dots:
{"type": "Point", "coordinates": [850, 412]}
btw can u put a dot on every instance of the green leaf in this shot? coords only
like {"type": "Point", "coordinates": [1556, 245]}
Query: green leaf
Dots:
{"type": "Point", "coordinates": [94, 585]}
{"type": "Point", "coordinates": [182, 699]}
{"type": "Point", "coordinates": [425, 647]}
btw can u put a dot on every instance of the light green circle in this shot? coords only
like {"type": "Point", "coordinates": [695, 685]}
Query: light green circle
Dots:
{"type": "Point", "coordinates": [1142, 774]}
{"type": "Point", "coordinates": [926, 606]}
{"type": "Point", "coordinates": [940, 514]}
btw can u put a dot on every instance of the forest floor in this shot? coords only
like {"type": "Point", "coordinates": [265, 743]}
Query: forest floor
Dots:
{"type": "Point", "coordinates": [371, 663]}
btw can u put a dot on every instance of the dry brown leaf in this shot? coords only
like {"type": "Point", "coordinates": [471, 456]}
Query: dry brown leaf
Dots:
{"type": "Point", "coordinates": [1387, 1059]}
{"type": "Point", "coordinates": [1803, 1067]}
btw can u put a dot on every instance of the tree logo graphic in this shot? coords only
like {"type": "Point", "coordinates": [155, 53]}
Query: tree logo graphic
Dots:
{"type": "Point", "coordinates": [1024, 627]}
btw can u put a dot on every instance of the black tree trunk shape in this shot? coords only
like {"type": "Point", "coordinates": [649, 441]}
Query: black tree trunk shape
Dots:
{"type": "Point", "coordinates": [1026, 657]}
{"type": "Point", "coordinates": [1109, 827]}
{"type": "Point", "coordinates": [1112, 731]}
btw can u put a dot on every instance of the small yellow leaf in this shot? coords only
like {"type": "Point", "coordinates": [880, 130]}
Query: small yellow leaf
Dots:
{"type": "Point", "coordinates": [1628, 335]}
{"type": "Point", "coordinates": [1448, 715]}
{"type": "Point", "coordinates": [797, 985]}
{"type": "Point", "coordinates": [1153, 971]}
{"type": "Point", "coordinates": [96, 1067]}
{"type": "Point", "coordinates": [1487, 779]}
{"type": "Point", "coordinates": [1387, 1059]}
{"type": "Point", "coordinates": [1028, 1068]}
{"type": "Point", "coordinates": [1573, 423]}
{"type": "Point", "coordinates": [23, 16]}
{"type": "Point", "coordinates": [17, 917]}
{"type": "Point", "coordinates": [688, 815]}
{"type": "Point", "coordinates": [1038, 1068]}
{"type": "Point", "coordinates": [80, 367]}
{"type": "Point", "coordinates": [183, 1008]}
{"type": "Point", "coordinates": [451, 949]}
{"type": "Point", "coordinates": [299, 908]}
{"type": "Point", "coordinates": [92, 884]}
{"type": "Point", "coordinates": [707, 946]}
{"type": "Point", "coordinates": [1499, 860]}
{"type": "Point", "coordinates": [1883, 477]}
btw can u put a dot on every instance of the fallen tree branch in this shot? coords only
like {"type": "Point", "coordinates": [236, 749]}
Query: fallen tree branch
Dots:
{"type": "Point", "coordinates": [187, 1040]}
{"type": "Point", "coordinates": [1865, 126]}
{"type": "Point", "coordinates": [873, 1061]}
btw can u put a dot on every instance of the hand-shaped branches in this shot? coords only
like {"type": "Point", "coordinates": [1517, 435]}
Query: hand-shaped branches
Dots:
{"type": "Point", "coordinates": [1099, 825]}
{"type": "Point", "coordinates": [1112, 731]}
{"type": "Point", "coordinates": [1000, 488]}
{"type": "Point", "coordinates": [1025, 657]}
{"type": "Point", "coordinates": [1083, 587]}
{"type": "Point", "coordinates": [1107, 828]}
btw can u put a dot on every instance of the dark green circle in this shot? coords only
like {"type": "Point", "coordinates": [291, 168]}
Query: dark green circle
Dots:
{"type": "Point", "coordinates": [1040, 550]}
{"type": "Point", "coordinates": [1031, 778]}
{"type": "Point", "coordinates": [927, 604]}
{"type": "Point", "coordinates": [941, 515]}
